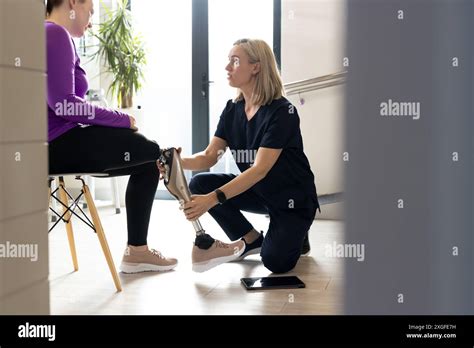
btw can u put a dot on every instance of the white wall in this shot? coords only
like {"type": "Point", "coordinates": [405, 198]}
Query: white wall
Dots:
{"type": "Point", "coordinates": [313, 38]}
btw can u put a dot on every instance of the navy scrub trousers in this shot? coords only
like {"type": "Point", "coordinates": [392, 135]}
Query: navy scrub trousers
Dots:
{"type": "Point", "coordinates": [281, 247]}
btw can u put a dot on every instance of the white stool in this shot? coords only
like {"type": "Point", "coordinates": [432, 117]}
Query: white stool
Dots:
{"type": "Point", "coordinates": [70, 208]}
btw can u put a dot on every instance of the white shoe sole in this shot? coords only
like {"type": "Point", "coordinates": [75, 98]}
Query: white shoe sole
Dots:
{"type": "Point", "coordinates": [127, 267]}
{"type": "Point", "coordinates": [252, 252]}
{"type": "Point", "coordinates": [200, 267]}
{"type": "Point", "coordinates": [307, 253]}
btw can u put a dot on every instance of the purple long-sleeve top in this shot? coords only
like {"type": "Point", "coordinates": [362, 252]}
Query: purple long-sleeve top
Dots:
{"type": "Point", "coordinates": [67, 87]}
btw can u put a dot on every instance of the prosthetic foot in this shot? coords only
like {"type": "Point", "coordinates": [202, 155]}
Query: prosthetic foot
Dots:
{"type": "Point", "coordinates": [207, 252]}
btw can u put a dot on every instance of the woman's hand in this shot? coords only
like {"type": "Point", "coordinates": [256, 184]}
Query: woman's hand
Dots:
{"type": "Point", "coordinates": [199, 205]}
{"type": "Point", "coordinates": [133, 123]}
{"type": "Point", "coordinates": [161, 168]}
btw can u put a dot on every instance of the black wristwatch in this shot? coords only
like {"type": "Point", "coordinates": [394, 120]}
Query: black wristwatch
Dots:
{"type": "Point", "coordinates": [220, 196]}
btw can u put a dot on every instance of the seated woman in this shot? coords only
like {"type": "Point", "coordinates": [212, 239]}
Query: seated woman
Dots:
{"type": "Point", "coordinates": [277, 180]}
{"type": "Point", "coordinates": [100, 139]}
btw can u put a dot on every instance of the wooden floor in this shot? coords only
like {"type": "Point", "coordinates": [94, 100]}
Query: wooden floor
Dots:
{"type": "Point", "coordinates": [218, 291]}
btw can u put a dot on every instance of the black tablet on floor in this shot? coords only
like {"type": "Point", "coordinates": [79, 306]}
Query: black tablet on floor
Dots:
{"type": "Point", "coordinates": [268, 283]}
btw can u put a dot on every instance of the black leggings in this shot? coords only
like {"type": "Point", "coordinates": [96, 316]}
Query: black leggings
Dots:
{"type": "Point", "coordinates": [117, 152]}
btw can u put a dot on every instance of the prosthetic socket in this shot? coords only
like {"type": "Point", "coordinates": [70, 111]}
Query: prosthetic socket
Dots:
{"type": "Point", "coordinates": [175, 182]}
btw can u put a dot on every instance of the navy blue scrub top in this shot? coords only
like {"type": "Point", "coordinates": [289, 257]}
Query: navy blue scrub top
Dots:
{"type": "Point", "coordinates": [290, 182]}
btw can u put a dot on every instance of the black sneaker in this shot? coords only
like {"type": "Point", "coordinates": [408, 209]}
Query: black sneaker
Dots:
{"type": "Point", "coordinates": [253, 248]}
{"type": "Point", "coordinates": [306, 248]}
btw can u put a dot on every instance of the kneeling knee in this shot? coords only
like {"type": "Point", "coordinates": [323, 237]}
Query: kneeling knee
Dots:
{"type": "Point", "coordinates": [277, 264]}
{"type": "Point", "coordinates": [195, 184]}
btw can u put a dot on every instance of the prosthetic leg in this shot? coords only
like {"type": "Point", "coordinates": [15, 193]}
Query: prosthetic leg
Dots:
{"type": "Point", "coordinates": [175, 182]}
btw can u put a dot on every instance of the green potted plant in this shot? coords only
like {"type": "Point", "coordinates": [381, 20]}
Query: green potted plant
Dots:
{"type": "Point", "coordinates": [123, 53]}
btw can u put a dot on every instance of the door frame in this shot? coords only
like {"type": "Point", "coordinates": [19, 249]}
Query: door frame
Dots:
{"type": "Point", "coordinates": [200, 70]}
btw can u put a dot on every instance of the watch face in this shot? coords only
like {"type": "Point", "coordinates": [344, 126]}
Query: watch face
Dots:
{"type": "Point", "coordinates": [221, 196]}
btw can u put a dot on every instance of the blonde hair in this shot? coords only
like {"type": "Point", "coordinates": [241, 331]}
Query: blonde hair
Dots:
{"type": "Point", "coordinates": [269, 85]}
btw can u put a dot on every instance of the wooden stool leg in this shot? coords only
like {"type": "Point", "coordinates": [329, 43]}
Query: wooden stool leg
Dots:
{"type": "Point", "coordinates": [101, 235]}
{"type": "Point", "coordinates": [70, 235]}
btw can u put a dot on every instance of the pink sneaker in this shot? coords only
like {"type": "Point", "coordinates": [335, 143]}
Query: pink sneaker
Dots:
{"type": "Point", "coordinates": [141, 259]}
{"type": "Point", "coordinates": [218, 253]}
